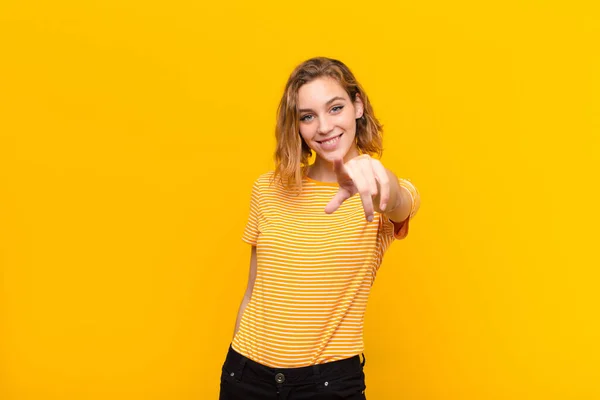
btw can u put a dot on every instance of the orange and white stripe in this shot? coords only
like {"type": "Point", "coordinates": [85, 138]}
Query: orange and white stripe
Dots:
{"type": "Point", "coordinates": [314, 273]}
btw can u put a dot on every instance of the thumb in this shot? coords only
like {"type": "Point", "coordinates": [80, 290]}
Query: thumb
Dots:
{"type": "Point", "coordinates": [340, 170]}
{"type": "Point", "coordinates": [336, 201]}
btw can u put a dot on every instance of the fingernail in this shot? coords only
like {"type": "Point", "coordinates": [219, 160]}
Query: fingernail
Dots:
{"type": "Point", "coordinates": [370, 218]}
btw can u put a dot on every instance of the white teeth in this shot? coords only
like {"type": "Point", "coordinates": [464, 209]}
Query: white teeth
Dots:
{"type": "Point", "coordinates": [331, 140]}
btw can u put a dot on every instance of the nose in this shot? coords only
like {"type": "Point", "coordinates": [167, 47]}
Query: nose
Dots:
{"type": "Point", "coordinates": [325, 126]}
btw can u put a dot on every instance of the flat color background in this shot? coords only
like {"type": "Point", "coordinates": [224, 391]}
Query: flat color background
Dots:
{"type": "Point", "coordinates": [131, 133]}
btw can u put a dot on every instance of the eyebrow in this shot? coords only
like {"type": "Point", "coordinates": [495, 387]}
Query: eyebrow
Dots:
{"type": "Point", "coordinates": [328, 102]}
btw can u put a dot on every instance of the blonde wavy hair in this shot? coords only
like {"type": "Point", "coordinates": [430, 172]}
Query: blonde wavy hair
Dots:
{"type": "Point", "coordinates": [292, 153]}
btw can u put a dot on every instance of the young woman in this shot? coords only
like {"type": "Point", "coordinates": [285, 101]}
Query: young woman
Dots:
{"type": "Point", "coordinates": [318, 234]}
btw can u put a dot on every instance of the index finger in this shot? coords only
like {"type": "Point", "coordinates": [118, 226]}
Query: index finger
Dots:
{"type": "Point", "coordinates": [340, 170]}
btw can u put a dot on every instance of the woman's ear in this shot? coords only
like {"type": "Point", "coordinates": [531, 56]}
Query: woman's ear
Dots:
{"type": "Point", "coordinates": [358, 107]}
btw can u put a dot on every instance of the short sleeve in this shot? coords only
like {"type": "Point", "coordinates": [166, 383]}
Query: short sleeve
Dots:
{"type": "Point", "coordinates": [399, 229]}
{"type": "Point", "coordinates": [251, 231]}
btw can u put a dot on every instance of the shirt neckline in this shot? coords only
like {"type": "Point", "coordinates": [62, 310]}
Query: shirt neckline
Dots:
{"type": "Point", "coordinates": [320, 182]}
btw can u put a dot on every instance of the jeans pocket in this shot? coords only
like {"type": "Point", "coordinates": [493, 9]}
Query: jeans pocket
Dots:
{"type": "Point", "coordinates": [229, 375]}
{"type": "Point", "coordinates": [348, 386]}
{"type": "Point", "coordinates": [230, 387]}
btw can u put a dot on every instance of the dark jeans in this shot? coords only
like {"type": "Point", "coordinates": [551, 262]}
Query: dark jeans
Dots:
{"type": "Point", "coordinates": [244, 379]}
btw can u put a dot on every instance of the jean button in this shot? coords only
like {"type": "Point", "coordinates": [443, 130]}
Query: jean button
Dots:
{"type": "Point", "coordinates": [280, 378]}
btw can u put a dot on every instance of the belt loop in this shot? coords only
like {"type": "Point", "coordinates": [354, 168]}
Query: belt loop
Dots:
{"type": "Point", "coordinates": [241, 367]}
{"type": "Point", "coordinates": [316, 370]}
{"type": "Point", "coordinates": [364, 360]}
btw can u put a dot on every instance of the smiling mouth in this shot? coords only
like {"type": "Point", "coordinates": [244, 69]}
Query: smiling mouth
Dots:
{"type": "Point", "coordinates": [331, 138]}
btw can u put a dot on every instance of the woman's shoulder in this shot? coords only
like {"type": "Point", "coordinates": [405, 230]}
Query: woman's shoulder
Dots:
{"type": "Point", "coordinates": [265, 178]}
{"type": "Point", "coordinates": [269, 182]}
{"type": "Point", "coordinates": [265, 181]}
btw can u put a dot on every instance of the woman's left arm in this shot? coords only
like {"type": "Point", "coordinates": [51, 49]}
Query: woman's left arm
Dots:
{"type": "Point", "coordinates": [402, 201]}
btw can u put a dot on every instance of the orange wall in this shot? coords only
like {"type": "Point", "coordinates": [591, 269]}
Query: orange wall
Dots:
{"type": "Point", "coordinates": [130, 134]}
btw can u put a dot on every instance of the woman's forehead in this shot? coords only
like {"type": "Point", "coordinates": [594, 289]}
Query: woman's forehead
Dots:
{"type": "Point", "coordinates": [320, 91]}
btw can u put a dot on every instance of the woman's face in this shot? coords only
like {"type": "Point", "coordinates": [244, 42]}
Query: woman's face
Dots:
{"type": "Point", "coordinates": [328, 118]}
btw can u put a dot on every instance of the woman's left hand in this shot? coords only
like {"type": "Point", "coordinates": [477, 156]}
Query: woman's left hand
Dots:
{"type": "Point", "coordinates": [364, 175]}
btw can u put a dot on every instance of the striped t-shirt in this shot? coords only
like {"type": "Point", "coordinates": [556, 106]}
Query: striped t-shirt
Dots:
{"type": "Point", "coordinates": [314, 273]}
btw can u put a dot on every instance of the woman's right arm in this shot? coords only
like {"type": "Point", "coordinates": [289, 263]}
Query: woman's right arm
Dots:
{"type": "Point", "coordinates": [248, 294]}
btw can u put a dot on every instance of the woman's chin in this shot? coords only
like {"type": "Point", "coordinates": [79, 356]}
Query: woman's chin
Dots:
{"type": "Point", "coordinates": [331, 156]}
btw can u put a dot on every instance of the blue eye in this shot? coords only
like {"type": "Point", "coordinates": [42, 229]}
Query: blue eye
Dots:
{"type": "Point", "coordinates": [309, 117]}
